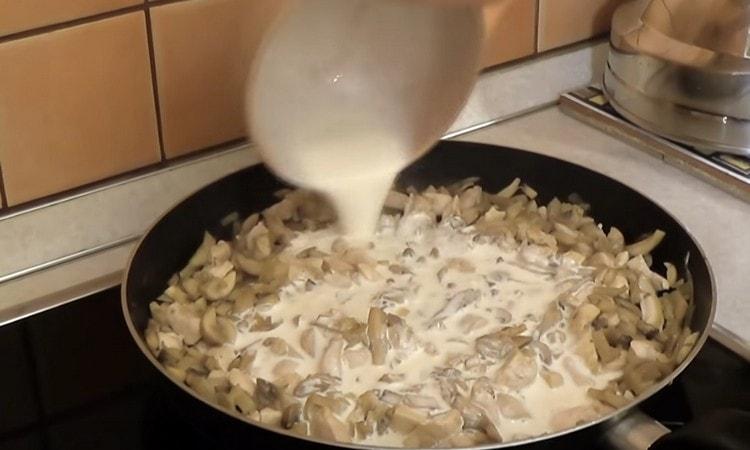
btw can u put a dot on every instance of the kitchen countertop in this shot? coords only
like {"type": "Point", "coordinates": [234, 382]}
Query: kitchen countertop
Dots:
{"type": "Point", "coordinates": [717, 220]}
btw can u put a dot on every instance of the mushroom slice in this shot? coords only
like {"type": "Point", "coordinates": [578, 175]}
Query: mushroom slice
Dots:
{"type": "Point", "coordinates": [472, 322]}
{"type": "Point", "coordinates": [575, 372]}
{"type": "Point", "coordinates": [330, 362]}
{"type": "Point", "coordinates": [201, 256]}
{"type": "Point", "coordinates": [494, 346]}
{"type": "Point", "coordinates": [511, 407]}
{"type": "Point", "coordinates": [291, 416]}
{"type": "Point", "coordinates": [551, 317]}
{"type": "Point", "coordinates": [357, 357]}
{"type": "Point", "coordinates": [405, 419]}
{"type": "Point", "coordinates": [455, 303]}
{"type": "Point", "coordinates": [185, 321]}
{"type": "Point", "coordinates": [568, 418]}
{"type": "Point", "coordinates": [376, 333]}
{"type": "Point", "coordinates": [652, 311]}
{"type": "Point", "coordinates": [519, 371]}
{"type": "Point", "coordinates": [439, 427]}
{"type": "Point", "coordinates": [552, 378]}
{"type": "Point", "coordinates": [266, 394]}
{"type": "Point", "coordinates": [219, 288]}
{"type": "Point", "coordinates": [320, 382]}
{"type": "Point", "coordinates": [647, 244]}
{"type": "Point", "coordinates": [217, 330]}
{"type": "Point", "coordinates": [307, 341]}
{"type": "Point", "coordinates": [421, 402]}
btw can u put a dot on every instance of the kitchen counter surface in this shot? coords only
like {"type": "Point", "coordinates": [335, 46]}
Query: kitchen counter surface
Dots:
{"type": "Point", "coordinates": [719, 221]}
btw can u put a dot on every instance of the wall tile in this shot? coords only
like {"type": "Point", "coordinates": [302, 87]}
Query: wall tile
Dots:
{"type": "Point", "coordinates": [203, 50]}
{"type": "Point", "coordinates": [76, 106]}
{"type": "Point", "coordinates": [563, 22]}
{"type": "Point", "coordinates": [510, 30]}
{"type": "Point", "coordinates": [21, 15]}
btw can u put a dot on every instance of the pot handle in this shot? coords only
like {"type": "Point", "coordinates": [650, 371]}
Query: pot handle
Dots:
{"type": "Point", "coordinates": [722, 429]}
{"type": "Point", "coordinates": [634, 431]}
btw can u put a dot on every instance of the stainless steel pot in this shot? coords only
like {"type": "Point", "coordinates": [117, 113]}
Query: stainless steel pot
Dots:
{"type": "Point", "coordinates": [681, 68]}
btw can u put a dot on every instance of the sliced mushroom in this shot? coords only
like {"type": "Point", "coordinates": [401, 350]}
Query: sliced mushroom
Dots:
{"type": "Point", "coordinates": [568, 418]}
{"type": "Point", "coordinates": [511, 407]}
{"type": "Point", "coordinates": [219, 288]}
{"type": "Point", "coordinates": [291, 416]}
{"type": "Point", "coordinates": [405, 419]}
{"type": "Point", "coordinates": [266, 394]}
{"type": "Point", "coordinates": [357, 357]}
{"type": "Point", "coordinates": [185, 321]}
{"type": "Point", "coordinates": [455, 303]}
{"type": "Point", "coordinates": [518, 371]}
{"type": "Point", "coordinates": [217, 330]}
{"type": "Point", "coordinates": [647, 244]}
{"type": "Point", "coordinates": [330, 362]}
{"type": "Point", "coordinates": [439, 427]}
{"type": "Point", "coordinates": [552, 378]}
{"type": "Point", "coordinates": [421, 402]}
{"type": "Point", "coordinates": [376, 333]}
{"type": "Point", "coordinates": [307, 341]}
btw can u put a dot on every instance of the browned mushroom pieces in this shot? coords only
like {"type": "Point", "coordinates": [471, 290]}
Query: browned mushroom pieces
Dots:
{"type": "Point", "coordinates": [291, 416]}
{"type": "Point", "coordinates": [266, 394]}
{"type": "Point", "coordinates": [439, 427]}
{"type": "Point", "coordinates": [376, 333]}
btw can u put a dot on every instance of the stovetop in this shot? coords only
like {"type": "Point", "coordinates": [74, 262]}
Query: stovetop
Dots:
{"type": "Point", "coordinates": [73, 379]}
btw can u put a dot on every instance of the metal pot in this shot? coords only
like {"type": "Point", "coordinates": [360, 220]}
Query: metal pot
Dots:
{"type": "Point", "coordinates": [171, 241]}
{"type": "Point", "coordinates": [681, 69]}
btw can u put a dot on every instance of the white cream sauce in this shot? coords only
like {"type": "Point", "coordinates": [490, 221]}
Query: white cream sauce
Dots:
{"type": "Point", "coordinates": [511, 291]}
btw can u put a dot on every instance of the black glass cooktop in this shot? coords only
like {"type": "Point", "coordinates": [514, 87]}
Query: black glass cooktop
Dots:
{"type": "Point", "coordinates": [71, 378]}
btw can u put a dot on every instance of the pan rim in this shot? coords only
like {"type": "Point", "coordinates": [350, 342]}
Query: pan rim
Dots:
{"type": "Point", "coordinates": [477, 146]}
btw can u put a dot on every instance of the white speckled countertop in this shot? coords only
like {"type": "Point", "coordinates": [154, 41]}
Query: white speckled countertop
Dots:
{"type": "Point", "coordinates": [719, 221]}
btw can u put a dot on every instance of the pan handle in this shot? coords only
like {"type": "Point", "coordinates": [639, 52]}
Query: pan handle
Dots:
{"type": "Point", "coordinates": [634, 431]}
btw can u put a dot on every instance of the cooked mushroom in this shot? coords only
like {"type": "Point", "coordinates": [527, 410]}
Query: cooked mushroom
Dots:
{"type": "Point", "coordinates": [436, 429]}
{"type": "Point", "coordinates": [330, 363]}
{"type": "Point", "coordinates": [518, 371]}
{"type": "Point", "coordinates": [376, 333]}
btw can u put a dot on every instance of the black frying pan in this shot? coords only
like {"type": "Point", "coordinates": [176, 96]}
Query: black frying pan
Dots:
{"type": "Point", "coordinates": [170, 242]}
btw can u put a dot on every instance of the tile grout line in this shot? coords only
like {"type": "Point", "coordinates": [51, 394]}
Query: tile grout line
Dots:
{"type": "Point", "coordinates": [154, 83]}
{"type": "Point", "coordinates": [36, 31]}
{"type": "Point", "coordinates": [536, 26]}
{"type": "Point", "coordinates": [70, 23]}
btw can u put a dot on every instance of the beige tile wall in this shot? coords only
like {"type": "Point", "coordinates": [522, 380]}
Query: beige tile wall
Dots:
{"type": "Point", "coordinates": [90, 89]}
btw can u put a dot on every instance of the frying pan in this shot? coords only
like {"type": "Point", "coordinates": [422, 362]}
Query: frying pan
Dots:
{"type": "Point", "coordinates": [170, 242]}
